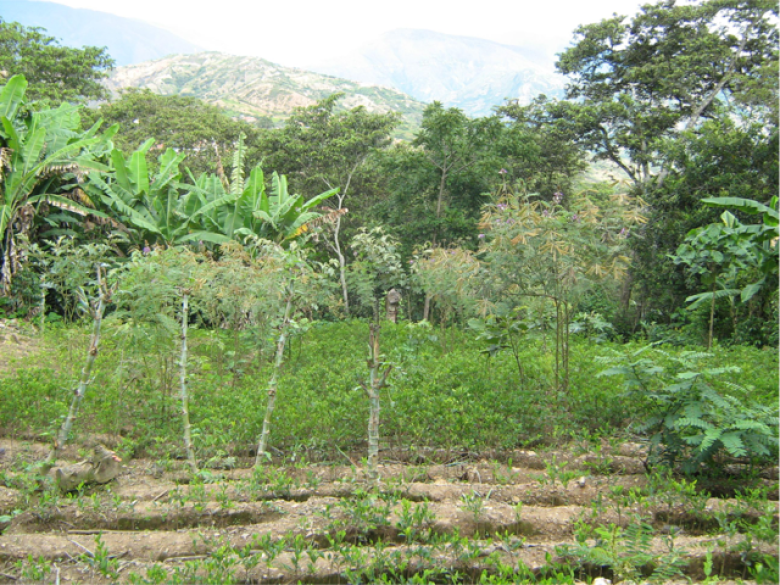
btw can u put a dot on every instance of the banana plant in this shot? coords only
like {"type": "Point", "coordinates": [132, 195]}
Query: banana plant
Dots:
{"type": "Point", "coordinates": [241, 207]}
{"type": "Point", "coordinates": [38, 152]}
{"type": "Point", "coordinates": [155, 207]}
{"type": "Point", "coordinates": [284, 215]}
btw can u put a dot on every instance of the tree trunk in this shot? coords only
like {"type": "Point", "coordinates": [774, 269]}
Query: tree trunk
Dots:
{"type": "Point", "coordinates": [440, 198]}
{"type": "Point", "coordinates": [427, 308]}
{"type": "Point", "coordinates": [281, 342]}
{"type": "Point", "coordinates": [42, 307]}
{"type": "Point", "coordinates": [377, 380]}
{"type": "Point", "coordinates": [185, 409]}
{"type": "Point", "coordinates": [86, 372]}
{"type": "Point", "coordinates": [340, 256]}
{"type": "Point", "coordinates": [712, 316]}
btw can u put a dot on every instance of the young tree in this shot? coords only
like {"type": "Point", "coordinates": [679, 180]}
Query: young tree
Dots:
{"type": "Point", "coordinates": [548, 251]}
{"type": "Point", "coordinates": [94, 295]}
{"type": "Point", "coordinates": [154, 303]}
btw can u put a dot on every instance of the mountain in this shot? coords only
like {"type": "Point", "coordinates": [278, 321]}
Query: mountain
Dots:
{"type": "Point", "coordinates": [251, 87]}
{"type": "Point", "coordinates": [128, 41]}
{"type": "Point", "coordinates": [472, 74]}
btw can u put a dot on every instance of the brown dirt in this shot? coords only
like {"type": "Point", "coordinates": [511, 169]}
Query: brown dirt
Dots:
{"type": "Point", "coordinates": [151, 515]}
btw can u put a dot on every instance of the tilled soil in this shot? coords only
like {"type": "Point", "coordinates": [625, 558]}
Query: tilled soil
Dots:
{"type": "Point", "coordinates": [331, 524]}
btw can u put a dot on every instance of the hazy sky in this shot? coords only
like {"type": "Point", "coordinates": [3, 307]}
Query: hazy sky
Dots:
{"type": "Point", "coordinates": [300, 32]}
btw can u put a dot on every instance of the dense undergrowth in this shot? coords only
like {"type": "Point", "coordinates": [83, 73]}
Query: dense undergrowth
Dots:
{"type": "Point", "coordinates": [444, 395]}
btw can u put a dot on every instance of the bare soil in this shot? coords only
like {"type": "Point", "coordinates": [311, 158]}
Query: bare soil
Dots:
{"type": "Point", "coordinates": [151, 515]}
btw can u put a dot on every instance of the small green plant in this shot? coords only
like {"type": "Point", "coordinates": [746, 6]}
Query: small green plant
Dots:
{"type": "Point", "coordinates": [556, 472]}
{"type": "Point", "coordinates": [475, 503]}
{"type": "Point", "coordinates": [628, 552]}
{"type": "Point", "coordinates": [687, 420]}
{"type": "Point", "coordinates": [34, 569]}
{"type": "Point", "coordinates": [413, 520]}
{"type": "Point", "coordinates": [101, 560]}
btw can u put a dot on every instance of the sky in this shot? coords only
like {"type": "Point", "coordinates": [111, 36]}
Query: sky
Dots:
{"type": "Point", "coordinates": [303, 32]}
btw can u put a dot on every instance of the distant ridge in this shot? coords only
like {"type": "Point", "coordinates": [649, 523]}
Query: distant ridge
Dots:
{"type": "Point", "coordinates": [470, 73]}
{"type": "Point", "coordinates": [127, 40]}
{"type": "Point", "coordinates": [250, 87]}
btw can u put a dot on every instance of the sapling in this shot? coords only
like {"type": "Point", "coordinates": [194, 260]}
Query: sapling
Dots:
{"type": "Point", "coordinates": [299, 283]}
{"type": "Point", "coordinates": [376, 381]}
{"type": "Point", "coordinates": [96, 310]}
{"type": "Point", "coordinates": [185, 412]}
{"type": "Point", "coordinates": [272, 383]}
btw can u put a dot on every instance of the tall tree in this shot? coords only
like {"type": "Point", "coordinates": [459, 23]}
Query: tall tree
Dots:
{"type": "Point", "coordinates": [453, 143]}
{"type": "Point", "coordinates": [321, 147]}
{"type": "Point", "coordinates": [55, 73]}
{"type": "Point", "coordinates": [538, 149]}
{"type": "Point", "coordinates": [636, 83]}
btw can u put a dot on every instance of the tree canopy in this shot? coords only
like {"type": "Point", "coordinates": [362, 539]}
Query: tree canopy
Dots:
{"type": "Point", "coordinates": [204, 132]}
{"type": "Point", "coordinates": [53, 72]}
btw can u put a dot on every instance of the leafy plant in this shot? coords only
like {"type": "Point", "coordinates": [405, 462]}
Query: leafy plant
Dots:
{"type": "Point", "coordinates": [687, 419]}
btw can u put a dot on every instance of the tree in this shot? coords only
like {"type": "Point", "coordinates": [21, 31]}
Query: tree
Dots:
{"type": "Point", "coordinates": [722, 157]}
{"type": "Point", "coordinates": [55, 73]}
{"type": "Point", "coordinates": [638, 83]}
{"type": "Point", "coordinates": [204, 132]}
{"type": "Point", "coordinates": [538, 149]}
{"type": "Point", "coordinates": [453, 143]}
{"type": "Point", "coordinates": [319, 147]}
{"type": "Point", "coordinates": [713, 254]}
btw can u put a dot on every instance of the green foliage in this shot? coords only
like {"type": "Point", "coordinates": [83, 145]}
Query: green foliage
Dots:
{"type": "Point", "coordinates": [628, 552]}
{"type": "Point", "coordinates": [319, 146]}
{"type": "Point", "coordinates": [501, 332]}
{"type": "Point", "coordinates": [376, 268]}
{"type": "Point", "coordinates": [538, 149]}
{"type": "Point", "coordinates": [550, 253]}
{"type": "Point", "coordinates": [152, 204]}
{"type": "Point", "coordinates": [55, 73]}
{"type": "Point", "coordinates": [43, 155]}
{"type": "Point", "coordinates": [202, 131]}
{"type": "Point", "coordinates": [638, 82]}
{"type": "Point", "coordinates": [688, 421]}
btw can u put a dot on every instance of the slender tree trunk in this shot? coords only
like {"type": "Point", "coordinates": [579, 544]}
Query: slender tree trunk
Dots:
{"type": "Point", "coordinates": [440, 198]}
{"type": "Point", "coordinates": [565, 346]}
{"type": "Point", "coordinates": [86, 372]}
{"type": "Point", "coordinates": [427, 307]}
{"type": "Point", "coordinates": [8, 264]}
{"type": "Point", "coordinates": [557, 342]}
{"type": "Point", "coordinates": [281, 342]}
{"type": "Point", "coordinates": [712, 316]}
{"type": "Point", "coordinates": [42, 307]}
{"type": "Point", "coordinates": [377, 380]}
{"type": "Point", "coordinates": [340, 254]}
{"type": "Point", "coordinates": [185, 408]}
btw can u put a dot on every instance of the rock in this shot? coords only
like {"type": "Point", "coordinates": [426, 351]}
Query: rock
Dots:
{"type": "Point", "coordinates": [102, 467]}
